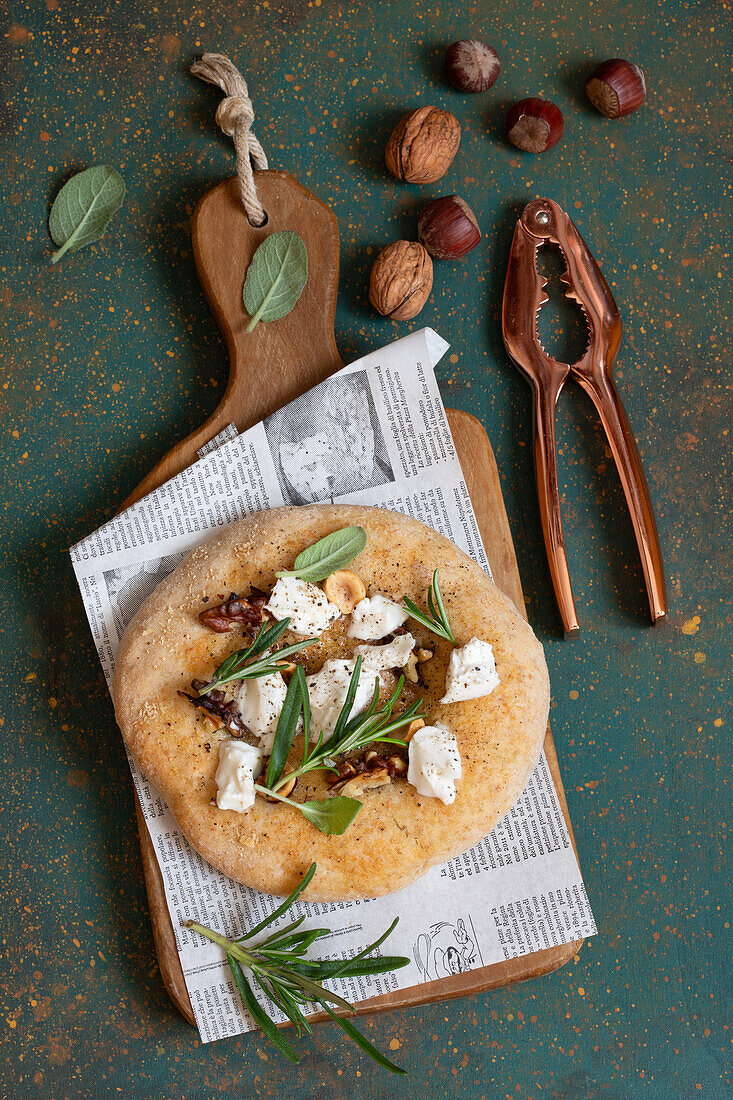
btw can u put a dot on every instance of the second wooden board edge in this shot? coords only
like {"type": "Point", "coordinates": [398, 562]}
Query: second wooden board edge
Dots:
{"type": "Point", "coordinates": [484, 487]}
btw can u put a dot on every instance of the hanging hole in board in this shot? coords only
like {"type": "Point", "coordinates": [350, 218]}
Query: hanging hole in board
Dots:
{"type": "Point", "coordinates": [262, 223]}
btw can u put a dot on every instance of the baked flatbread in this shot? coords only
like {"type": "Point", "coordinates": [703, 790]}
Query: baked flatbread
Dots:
{"type": "Point", "coordinates": [398, 834]}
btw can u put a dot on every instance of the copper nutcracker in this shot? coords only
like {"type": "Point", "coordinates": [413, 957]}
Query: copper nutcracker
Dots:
{"type": "Point", "coordinates": [544, 222]}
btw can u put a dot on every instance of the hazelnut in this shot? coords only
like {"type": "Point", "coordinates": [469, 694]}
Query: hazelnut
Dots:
{"type": "Point", "coordinates": [616, 88]}
{"type": "Point", "coordinates": [410, 668]}
{"type": "Point", "coordinates": [422, 145]}
{"type": "Point", "coordinates": [401, 280]}
{"type": "Point", "coordinates": [287, 788]}
{"type": "Point", "coordinates": [345, 589]}
{"type": "Point", "coordinates": [424, 655]}
{"type": "Point", "coordinates": [414, 726]}
{"type": "Point", "coordinates": [471, 65]}
{"type": "Point", "coordinates": [534, 125]}
{"type": "Point", "coordinates": [448, 228]}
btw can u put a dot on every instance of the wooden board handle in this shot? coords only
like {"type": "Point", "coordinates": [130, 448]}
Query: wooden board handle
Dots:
{"type": "Point", "coordinates": [276, 362]}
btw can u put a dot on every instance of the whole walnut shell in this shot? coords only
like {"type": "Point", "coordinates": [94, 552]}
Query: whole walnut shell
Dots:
{"type": "Point", "coordinates": [422, 145]}
{"type": "Point", "coordinates": [401, 280]}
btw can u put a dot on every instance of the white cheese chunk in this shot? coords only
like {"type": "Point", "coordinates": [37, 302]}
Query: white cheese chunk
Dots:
{"type": "Point", "coordinates": [375, 617]}
{"type": "Point", "coordinates": [392, 655]}
{"type": "Point", "coordinates": [471, 672]}
{"type": "Point", "coordinates": [327, 692]}
{"type": "Point", "coordinates": [434, 763]}
{"type": "Point", "coordinates": [259, 703]}
{"type": "Point", "coordinates": [239, 763]}
{"type": "Point", "coordinates": [307, 606]}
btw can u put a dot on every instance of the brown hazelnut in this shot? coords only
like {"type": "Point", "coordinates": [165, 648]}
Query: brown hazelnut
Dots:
{"type": "Point", "coordinates": [534, 125]}
{"type": "Point", "coordinates": [422, 145]}
{"type": "Point", "coordinates": [401, 280]}
{"type": "Point", "coordinates": [616, 88]}
{"type": "Point", "coordinates": [345, 589]}
{"type": "Point", "coordinates": [414, 726]}
{"type": "Point", "coordinates": [471, 65]}
{"type": "Point", "coordinates": [448, 228]}
{"type": "Point", "coordinates": [286, 789]}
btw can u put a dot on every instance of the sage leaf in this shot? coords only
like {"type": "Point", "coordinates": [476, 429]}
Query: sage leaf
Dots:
{"type": "Point", "coordinates": [275, 277]}
{"type": "Point", "coordinates": [328, 555]}
{"type": "Point", "coordinates": [333, 815]}
{"type": "Point", "coordinates": [83, 207]}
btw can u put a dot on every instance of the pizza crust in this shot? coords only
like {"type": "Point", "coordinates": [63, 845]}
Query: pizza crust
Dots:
{"type": "Point", "coordinates": [398, 834]}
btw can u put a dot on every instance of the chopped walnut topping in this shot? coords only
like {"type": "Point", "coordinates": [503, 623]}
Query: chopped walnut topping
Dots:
{"type": "Point", "coordinates": [218, 710]}
{"type": "Point", "coordinates": [372, 763]}
{"type": "Point", "coordinates": [365, 781]}
{"type": "Point", "coordinates": [237, 609]}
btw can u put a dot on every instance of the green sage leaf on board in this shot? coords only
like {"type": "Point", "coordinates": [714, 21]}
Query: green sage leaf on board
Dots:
{"type": "Point", "coordinates": [83, 207]}
{"type": "Point", "coordinates": [328, 555]}
{"type": "Point", "coordinates": [275, 277]}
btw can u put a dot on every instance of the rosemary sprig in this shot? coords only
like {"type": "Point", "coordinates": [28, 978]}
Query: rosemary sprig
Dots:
{"type": "Point", "coordinates": [437, 619]}
{"type": "Point", "coordinates": [242, 665]}
{"type": "Point", "coordinates": [292, 982]}
{"type": "Point", "coordinates": [331, 815]}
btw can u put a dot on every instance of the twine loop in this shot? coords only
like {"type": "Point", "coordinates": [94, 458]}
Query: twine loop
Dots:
{"type": "Point", "coordinates": [234, 117]}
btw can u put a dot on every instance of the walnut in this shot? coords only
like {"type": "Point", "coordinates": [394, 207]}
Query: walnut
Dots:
{"type": "Point", "coordinates": [366, 781]}
{"type": "Point", "coordinates": [237, 609]}
{"type": "Point", "coordinates": [218, 710]}
{"type": "Point", "coordinates": [401, 280]}
{"type": "Point", "coordinates": [422, 145]}
{"type": "Point", "coordinates": [371, 763]}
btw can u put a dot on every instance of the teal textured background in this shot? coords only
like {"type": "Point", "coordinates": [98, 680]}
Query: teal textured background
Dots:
{"type": "Point", "coordinates": [111, 357]}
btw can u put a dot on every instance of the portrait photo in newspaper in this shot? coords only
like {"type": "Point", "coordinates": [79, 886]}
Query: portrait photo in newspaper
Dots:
{"type": "Point", "coordinates": [329, 442]}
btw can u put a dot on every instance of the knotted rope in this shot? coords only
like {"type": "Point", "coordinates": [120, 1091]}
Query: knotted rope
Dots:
{"type": "Point", "coordinates": [234, 116]}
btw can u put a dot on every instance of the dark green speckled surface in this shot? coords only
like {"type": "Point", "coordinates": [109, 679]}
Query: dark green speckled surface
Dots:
{"type": "Point", "coordinates": [111, 357]}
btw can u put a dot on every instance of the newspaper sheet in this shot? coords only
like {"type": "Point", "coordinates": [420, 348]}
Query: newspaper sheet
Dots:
{"type": "Point", "coordinates": [374, 433]}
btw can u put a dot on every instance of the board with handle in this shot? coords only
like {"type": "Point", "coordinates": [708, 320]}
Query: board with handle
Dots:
{"type": "Point", "coordinates": [269, 367]}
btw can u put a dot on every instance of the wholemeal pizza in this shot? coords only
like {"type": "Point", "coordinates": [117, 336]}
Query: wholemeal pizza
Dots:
{"type": "Point", "coordinates": [332, 684]}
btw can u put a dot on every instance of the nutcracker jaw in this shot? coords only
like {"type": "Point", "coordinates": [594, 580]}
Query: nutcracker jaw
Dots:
{"type": "Point", "coordinates": [544, 222]}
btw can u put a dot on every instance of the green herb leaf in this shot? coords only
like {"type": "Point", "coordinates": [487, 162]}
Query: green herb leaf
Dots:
{"type": "Point", "coordinates": [290, 981]}
{"type": "Point", "coordinates": [323, 970]}
{"type": "Point", "coordinates": [275, 277]}
{"type": "Point", "coordinates": [437, 619]}
{"type": "Point", "coordinates": [364, 1043]}
{"type": "Point", "coordinates": [240, 666]}
{"type": "Point", "coordinates": [333, 815]}
{"type": "Point", "coordinates": [328, 555]}
{"type": "Point", "coordinates": [284, 906]}
{"type": "Point", "coordinates": [83, 207]}
{"type": "Point", "coordinates": [286, 726]}
{"type": "Point", "coordinates": [346, 706]}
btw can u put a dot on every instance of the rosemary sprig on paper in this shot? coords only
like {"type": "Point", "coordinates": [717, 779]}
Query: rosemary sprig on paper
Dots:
{"type": "Point", "coordinates": [242, 665]}
{"type": "Point", "coordinates": [292, 982]}
{"type": "Point", "coordinates": [331, 815]}
{"type": "Point", "coordinates": [437, 619]}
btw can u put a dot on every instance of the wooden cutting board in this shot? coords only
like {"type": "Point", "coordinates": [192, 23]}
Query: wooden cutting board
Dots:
{"type": "Point", "coordinates": [269, 367]}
